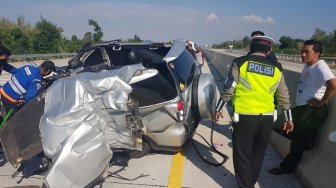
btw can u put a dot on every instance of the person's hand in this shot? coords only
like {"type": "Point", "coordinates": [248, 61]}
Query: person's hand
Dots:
{"type": "Point", "coordinates": [288, 126]}
{"type": "Point", "coordinates": [216, 116]}
{"type": "Point", "coordinates": [314, 102]}
{"type": "Point", "coordinates": [20, 102]}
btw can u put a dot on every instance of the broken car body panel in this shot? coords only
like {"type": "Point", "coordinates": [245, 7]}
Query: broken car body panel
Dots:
{"type": "Point", "coordinates": [85, 116]}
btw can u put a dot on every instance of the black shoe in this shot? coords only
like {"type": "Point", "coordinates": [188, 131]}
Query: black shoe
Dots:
{"type": "Point", "coordinates": [279, 171]}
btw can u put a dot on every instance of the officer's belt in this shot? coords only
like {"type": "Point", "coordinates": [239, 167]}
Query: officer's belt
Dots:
{"type": "Point", "coordinates": [263, 114]}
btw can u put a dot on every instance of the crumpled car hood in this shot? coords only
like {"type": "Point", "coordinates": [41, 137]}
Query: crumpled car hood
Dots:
{"type": "Point", "coordinates": [84, 117]}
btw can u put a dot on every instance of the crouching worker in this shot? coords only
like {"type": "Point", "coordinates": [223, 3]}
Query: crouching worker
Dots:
{"type": "Point", "coordinates": [23, 86]}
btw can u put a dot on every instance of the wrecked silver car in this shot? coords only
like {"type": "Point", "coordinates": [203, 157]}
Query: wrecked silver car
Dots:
{"type": "Point", "coordinates": [173, 96]}
{"type": "Point", "coordinates": [85, 116]}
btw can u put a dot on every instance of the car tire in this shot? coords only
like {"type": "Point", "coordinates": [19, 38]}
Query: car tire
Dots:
{"type": "Point", "coordinates": [138, 154]}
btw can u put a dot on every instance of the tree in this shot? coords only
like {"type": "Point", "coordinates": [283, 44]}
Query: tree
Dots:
{"type": "Point", "coordinates": [5, 36]}
{"type": "Point", "coordinates": [286, 42]}
{"type": "Point", "coordinates": [48, 37]}
{"type": "Point", "coordinates": [21, 41]}
{"type": "Point", "coordinates": [21, 21]}
{"type": "Point", "coordinates": [5, 39]}
{"type": "Point", "coordinates": [319, 35]}
{"type": "Point", "coordinates": [136, 38]}
{"type": "Point", "coordinates": [74, 44]}
{"type": "Point", "coordinates": [330, 44]}
{"type": "Point", "coordinates": [246, 42]}
{"type": "Point", "coordinates": [98, 34]}
{"type": "Point", "coordinates": [88, 38]}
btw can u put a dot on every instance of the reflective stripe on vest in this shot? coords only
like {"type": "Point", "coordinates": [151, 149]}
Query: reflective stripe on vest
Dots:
{"type": "Point", "coordinates": [254, 93]}
{"type": "Point", "coordinates": [16, 86]}
{"type": "Point", "coordinates": [4, 94]}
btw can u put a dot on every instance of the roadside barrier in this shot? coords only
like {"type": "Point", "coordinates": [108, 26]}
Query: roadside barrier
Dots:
{"type": "Point", "coordinates": [25, 57]}
{"type": "Point", "coordinates": [331, 61]}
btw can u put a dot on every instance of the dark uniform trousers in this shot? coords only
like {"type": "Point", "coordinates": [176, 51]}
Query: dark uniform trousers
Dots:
{"type": "Point", "coordinates": [250, 139]}
{"type": "Point", "coordinates": [307, 122]}
{"type": "Point", "coordinates": [6, 105]}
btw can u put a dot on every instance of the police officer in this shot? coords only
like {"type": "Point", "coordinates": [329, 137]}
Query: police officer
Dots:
{"type": "Point", "coordinates": [251, 84]}
{"type": "Point", "coordinates": [24, 85]}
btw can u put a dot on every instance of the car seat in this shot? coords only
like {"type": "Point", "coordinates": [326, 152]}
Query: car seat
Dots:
{"type": "Point", "coordinates": [133, 57]}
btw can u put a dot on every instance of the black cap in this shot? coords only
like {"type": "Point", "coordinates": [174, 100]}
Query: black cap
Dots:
{"type": "Point", "coordinates": [260, 33]}
{"type": "Point", "coordinates": [5, 51]}
{"type": "Point", "coordinates": [48, 66]}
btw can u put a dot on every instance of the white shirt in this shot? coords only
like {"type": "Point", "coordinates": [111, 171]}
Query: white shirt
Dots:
{"type": "Point", "coordinates": [313, 82]}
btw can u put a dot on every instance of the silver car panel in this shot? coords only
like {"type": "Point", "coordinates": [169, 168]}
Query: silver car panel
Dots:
{"type": "Point", "coordinates": [174, 136]}
{"type": "Point", "coordinates": [157, 121]}
{"type": "Point", "coordinates": [84, 117]}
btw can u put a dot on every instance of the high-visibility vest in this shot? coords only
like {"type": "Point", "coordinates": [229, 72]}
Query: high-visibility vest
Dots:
{"type": "Point", "coordinates": [19, 86]}
{"type": "Point", "coordinates": [259, 78]}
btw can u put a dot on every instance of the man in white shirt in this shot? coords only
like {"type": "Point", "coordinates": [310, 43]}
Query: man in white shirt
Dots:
{"type": "Point", "coordinates": [317, 85]}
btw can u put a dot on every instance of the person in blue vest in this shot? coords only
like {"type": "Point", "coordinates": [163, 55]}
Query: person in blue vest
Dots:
{"type": "Point", "coordinates": [24, 85]}
{"type": "Point", "coordinates": [4, 56]}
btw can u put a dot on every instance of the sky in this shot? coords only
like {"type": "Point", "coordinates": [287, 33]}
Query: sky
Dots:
{"type": "Point", "coordinates": [202, 21]}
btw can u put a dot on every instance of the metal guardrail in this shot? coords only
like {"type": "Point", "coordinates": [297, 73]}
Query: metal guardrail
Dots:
{"type": "Point", "coordinates": [330, 61]}
{"type": "Point", "coordinates": [16, 58]}
{"type": "Point", "coordinates": [288, 57]}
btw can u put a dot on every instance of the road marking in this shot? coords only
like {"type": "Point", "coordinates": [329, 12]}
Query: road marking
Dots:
{"type": "Point", "coordinates": [176, 171]}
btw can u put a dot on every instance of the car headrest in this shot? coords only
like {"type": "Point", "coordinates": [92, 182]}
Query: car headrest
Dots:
{"type": "Point", "coordinates": [133, 56]}
{"type": "Point", "coordinates": [75, 63]}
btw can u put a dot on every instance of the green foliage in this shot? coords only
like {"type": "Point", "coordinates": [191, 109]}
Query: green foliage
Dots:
{"type": "Point", "coordinates": [88, 37]}
{"type": "Point", "coordinates": [136, 38]}
{"type": "Point", "coordinates": [246, 42]}
{"type": "Point", "coordinates": [98, 34]}
{"type": "Point", "coordinates": [74, 44]}
{"type": "Point", "coordinates": [45, 37]}
{"type": "Point", "coordinates": [286, 42]}
{"type": "Point", "coordinates": [237, 44]}
{"type": "Point", "coordinates": [48, 37]}
{"type": "Point", "coordinates": [21, 41]}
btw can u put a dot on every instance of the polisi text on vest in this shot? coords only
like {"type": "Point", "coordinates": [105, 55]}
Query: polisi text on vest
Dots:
{"type": "Point", "coordinates": [261, 69]}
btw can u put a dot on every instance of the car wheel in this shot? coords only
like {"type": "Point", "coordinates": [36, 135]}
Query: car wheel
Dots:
{"type": "Point", "coordinates": [138, 154]}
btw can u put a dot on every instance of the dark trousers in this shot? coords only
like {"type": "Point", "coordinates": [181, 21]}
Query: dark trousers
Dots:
{"type": "Point", "coordinates": [7, 105]}
{"type": "Point", "coordinates": [307, 122]}
{"type": "Point", "coordinates": [250, 139]}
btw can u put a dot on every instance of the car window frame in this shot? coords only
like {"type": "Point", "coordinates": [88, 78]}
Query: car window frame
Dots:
{"type": "Point", "coordinates": [187, 80]}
